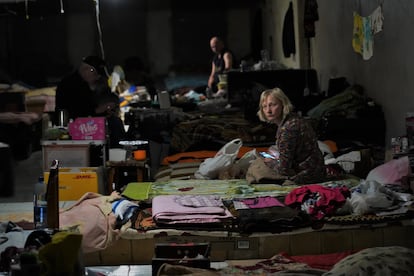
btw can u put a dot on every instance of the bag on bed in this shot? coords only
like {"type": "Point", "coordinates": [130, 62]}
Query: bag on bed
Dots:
{"type": "Point", "coordinates": [226, 156]}
{"type": "Point", "coordinates": [259, 172]}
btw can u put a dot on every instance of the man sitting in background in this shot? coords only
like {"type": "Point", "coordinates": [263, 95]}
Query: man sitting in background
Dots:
{"type": "Point", "coordinates": [85, 92]}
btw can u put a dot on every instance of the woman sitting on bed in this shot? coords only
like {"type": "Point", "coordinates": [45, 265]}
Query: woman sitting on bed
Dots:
{"type": "Point", "coordinates": [296, 153]}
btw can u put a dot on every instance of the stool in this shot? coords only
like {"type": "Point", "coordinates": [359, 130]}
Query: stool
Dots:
{"type": "Point", "coordinates": [115, 168]}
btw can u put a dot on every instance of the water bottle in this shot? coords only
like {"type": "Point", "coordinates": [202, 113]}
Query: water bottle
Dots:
{"type": "Point", "coordinates": [40, 205]}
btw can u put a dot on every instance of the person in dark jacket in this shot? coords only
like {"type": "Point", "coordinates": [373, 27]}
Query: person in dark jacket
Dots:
{"type": "Point", "coordinates": [86, 93]}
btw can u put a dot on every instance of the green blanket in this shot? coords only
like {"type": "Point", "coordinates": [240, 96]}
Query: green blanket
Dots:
{"type": "Point", "coordinates": [230, 188]}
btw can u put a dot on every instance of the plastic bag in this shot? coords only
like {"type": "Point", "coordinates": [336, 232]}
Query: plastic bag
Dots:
{"type": "Point", "coordinates": [239, 168]}
{"type": "Point", "coordinates": [246, 159]}
{"type": "Point", "coordinates": [371, 196]}
{"type": "Point", "coordinates": [390, 172]}
{"type": "Point", "coordinates": [226, 156]}
{"type": "Point", "coordinates": [259, 172]}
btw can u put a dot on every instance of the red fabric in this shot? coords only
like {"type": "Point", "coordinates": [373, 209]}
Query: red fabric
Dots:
{"type": "Point", "coordinates": [244, 149]}
{"type": "Point", "coordinates": [321, 200]}
{"type": "Point", "coordinates": [193, 156]}
{"type": "Point", "coordinates": [299, 195]}
{"type": "Point", "coordinates": [322, 261]}
{"type": "Point", "coordinates": [189, 156]}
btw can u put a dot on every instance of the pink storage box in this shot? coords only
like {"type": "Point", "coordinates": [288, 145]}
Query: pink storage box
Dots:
{"type": "Point", "coordinates": [91, 128]}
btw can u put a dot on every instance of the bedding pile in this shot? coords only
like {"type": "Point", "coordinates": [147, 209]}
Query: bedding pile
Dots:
{"type": "Point", "coordinates": [187, 210]}
{"type": "Point", "coordinates": [211, 132]}
{"type": "Point", "coordinates": [234, 206]}
{"type": "Point", "coordinates": [388, 260]}
{"type": "Point", "coordinates": [264, 214]}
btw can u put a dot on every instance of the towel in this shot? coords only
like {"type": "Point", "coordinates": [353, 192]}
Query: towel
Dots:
{"type": "Point", "coordinates": [137, 190]}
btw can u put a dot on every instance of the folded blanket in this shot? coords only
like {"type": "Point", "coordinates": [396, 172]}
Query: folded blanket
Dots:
{"type": "Point", "coordinates": [137, 190]}
{"type": "Point", "coordinates": [175, 209]}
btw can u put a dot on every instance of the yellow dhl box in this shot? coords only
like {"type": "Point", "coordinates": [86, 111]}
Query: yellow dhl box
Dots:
{"type": "Point", "coordinates": [75, 182]}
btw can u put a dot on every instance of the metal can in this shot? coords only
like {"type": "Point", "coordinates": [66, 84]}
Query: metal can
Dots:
{"type": "Point", "coordinates": [404, 144]}
{"type": "Point", "coordinates": [395, 145]}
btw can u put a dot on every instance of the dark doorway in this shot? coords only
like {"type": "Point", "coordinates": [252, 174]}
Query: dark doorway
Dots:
{"type": "Point", "coordinates": [194, 22]}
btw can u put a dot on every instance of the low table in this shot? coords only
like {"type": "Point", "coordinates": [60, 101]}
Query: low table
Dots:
{"type": "Point", "coordinates": [114, 169]}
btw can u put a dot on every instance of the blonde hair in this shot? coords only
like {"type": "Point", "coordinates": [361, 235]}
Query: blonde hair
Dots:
{"type": "Point", "coordinates": [275, 93]}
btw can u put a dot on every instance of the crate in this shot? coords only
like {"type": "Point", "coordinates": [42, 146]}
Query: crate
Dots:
{"type": "Point", "coordinates": [186, 254]}
{"type": "Point", "coordinates": [75, 182]}
{"type": "Point", "coordinates": [68, 155]}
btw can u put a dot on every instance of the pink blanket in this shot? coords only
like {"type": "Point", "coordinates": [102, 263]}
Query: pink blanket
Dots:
{"type": "Point", "coordinates": [174, 209]}
{"type": "Point", "coordinates": [91, 216]}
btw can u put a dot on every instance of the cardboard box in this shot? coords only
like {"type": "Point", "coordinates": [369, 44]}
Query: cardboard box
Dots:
{"type": "Point", "coordinates": [75, 182]}
{"type": "Point", "coordinates": [90, 128]}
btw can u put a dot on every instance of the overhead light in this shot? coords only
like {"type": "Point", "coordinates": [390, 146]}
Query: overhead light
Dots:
{"type": "Point", "coordinates": [61, 7]}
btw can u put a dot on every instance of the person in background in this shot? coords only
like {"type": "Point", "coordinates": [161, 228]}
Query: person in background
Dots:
{"type": "Point", "coordinates": [136, 73]}
{"type": "Point", "coordinates": [77, 92]}
{"type": "Point", "coordinates": [223, 61]}
{"type": "Point", "coordinates": [85, 92]}
{"type": "Point", "coordinates": [296, 153]}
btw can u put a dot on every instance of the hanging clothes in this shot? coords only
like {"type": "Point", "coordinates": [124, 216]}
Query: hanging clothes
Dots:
{"type": "Point", "coordinates": [377, 19]}
{"type": "Point", "coordinates": [358, 34]}
{"type": "Point", "coordinates": [288, 35]}
{"type": "Point", "coordinates": [364, 30]}
{"type": "Point", "coordinates": [310, 16]}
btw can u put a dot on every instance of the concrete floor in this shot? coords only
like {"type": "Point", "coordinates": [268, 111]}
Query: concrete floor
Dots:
{"type": "Point", "coordinates": [26, 172]}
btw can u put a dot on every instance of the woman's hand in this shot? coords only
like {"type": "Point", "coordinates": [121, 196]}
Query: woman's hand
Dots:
{"type": "Point", "coordinates": [271, 163]}
{"type": "Point", "coordinates": [106, 108]}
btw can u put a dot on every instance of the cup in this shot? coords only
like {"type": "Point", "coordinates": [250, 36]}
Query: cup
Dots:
{"type": "Point", "coordinates": [140, 155]}
{"type": "Point", "coordinates": [223, 78]}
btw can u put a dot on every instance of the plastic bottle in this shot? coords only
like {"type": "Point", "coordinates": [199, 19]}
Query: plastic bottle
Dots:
{"type": "Point", "coordinates": [395, 145]}
{"type": "Point", "coordinates": [40, 205]}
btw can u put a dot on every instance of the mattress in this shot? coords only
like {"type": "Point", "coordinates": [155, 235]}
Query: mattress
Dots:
{"type": "Point", "coordinates": [135, 245]}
